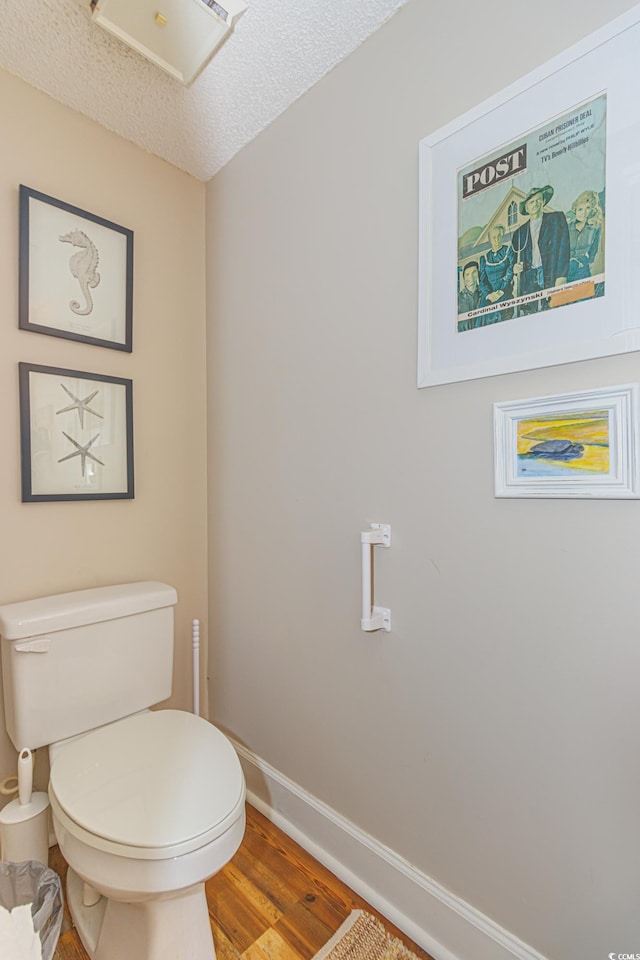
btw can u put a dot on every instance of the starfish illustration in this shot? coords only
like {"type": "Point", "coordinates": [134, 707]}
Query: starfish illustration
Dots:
{"type": "Point", "coordinates": [81, 451]}
{"type": "Point", "coordinates": [82, 406]}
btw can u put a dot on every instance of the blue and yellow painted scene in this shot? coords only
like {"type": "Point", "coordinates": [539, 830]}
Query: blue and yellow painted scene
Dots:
{"type": "Point", "coordinates": [564, 445]}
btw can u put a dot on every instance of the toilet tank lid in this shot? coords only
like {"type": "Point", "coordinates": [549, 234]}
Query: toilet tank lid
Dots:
{"type": "Point", "coordinates": [33, 618]}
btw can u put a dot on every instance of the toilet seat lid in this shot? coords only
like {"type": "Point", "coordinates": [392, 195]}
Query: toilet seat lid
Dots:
{"type": "Point", "coordinates": [156, 780]}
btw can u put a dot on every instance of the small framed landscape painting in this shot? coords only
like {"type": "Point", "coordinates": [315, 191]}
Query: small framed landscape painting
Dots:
{"type": "Point", "coordinates": [578, 445]}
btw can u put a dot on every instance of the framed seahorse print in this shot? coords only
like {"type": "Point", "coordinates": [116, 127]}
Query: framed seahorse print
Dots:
{"type": "Point", "coordinates": [76, 273]}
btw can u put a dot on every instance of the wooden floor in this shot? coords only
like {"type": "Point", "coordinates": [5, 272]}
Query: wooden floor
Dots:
{"type": "Point", "coordinates": [273, 901]}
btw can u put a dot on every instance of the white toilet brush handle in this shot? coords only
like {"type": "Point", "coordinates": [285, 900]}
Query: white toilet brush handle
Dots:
{"type": "Point", "coordinates": [25, 776]}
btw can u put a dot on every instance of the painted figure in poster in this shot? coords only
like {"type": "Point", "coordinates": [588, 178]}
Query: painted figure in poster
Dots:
{"type": "Point", "coordinates": [542, 248]}
{"type": "Point", "coordinates": [496, 276]}
{"type": "Point", "coordinates": [470, 297]}
{"type": "Point", "coordinates": [585, 231]}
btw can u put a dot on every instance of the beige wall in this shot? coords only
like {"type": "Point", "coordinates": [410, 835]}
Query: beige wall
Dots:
{"type": "Point", "coordinates": [48, 548]}
{"type": "Point", "coordinates": [493, 738]}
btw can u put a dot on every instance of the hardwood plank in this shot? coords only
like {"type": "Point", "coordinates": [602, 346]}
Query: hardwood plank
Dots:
{"type": "Point", "coordinates": [247, 889]}
{"type": "Point", "coordinates": [272, 886]}
{"type": "Point", "coordinates": [234, 914]}
{"type": "Point", "coordinates": [305, 877]}
{"type": "Point", "coordinates": [327, 909]}
{"type": "Point", "coordinates": [270, 946]}
{"type": "Point", "coordinates": [303, 931]}
{"type": "Point", "coordinates": [225, 950]}
{"type": "Point", "coordinates": [279, 858]}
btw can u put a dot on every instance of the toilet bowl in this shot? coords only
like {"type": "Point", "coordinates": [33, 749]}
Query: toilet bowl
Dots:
{"type": "Point", "coordinates": [145, 810]}
{"type": "Point", "coordinates": [146, 805]}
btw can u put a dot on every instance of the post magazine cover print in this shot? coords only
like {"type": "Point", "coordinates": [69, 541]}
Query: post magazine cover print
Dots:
{"type": "Point", "coordinates": [531, 221]}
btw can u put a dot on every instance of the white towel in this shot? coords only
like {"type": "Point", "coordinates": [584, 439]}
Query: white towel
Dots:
{"type": "Point", "coordinates": [18, 939]}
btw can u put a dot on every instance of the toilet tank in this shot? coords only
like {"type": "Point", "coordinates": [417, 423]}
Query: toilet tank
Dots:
{"type": "Point", "coordinates": [76, 661]}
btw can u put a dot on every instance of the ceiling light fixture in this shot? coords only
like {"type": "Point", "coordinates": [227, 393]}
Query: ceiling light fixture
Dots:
{"type": "Point", "coordinates": [179, 36]}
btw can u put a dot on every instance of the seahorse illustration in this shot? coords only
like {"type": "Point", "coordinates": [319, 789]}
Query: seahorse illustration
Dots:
{"type": "Point", "coordinates": [83, 266]}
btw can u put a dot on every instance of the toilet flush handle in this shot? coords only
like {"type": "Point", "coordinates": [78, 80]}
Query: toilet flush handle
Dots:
{"type": "Point", "coordinates": [39, 645]}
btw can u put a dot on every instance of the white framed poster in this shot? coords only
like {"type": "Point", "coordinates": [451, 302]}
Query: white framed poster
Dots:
{"type": "Point", "coordinates": [529, 217]}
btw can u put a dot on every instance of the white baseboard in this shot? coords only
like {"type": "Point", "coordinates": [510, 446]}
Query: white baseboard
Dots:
{"type": "Point", "coordinates": [444, 925]}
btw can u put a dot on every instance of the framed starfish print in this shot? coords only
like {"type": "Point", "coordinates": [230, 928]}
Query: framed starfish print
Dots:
{"type": "Point", "coordinates": [76, 432]}
{"type": "Point", "coordinates": [76, 273]}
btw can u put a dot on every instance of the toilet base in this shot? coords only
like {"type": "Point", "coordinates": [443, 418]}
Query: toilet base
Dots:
{"type": "Point", "coordinates": [161, 929]}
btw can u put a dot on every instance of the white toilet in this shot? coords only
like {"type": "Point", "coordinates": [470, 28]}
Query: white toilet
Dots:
{"type": "Point", "coordinates": [146, 805]}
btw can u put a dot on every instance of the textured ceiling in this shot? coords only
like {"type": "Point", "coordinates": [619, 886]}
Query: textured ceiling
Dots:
{"type": "Point", "coordinates": [278, 49]}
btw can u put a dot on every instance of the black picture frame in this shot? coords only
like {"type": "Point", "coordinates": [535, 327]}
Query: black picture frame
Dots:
{"type": "Point", "coordinates": [75, 273]}
{"type": "Point", "coordinates": [76, 435]}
